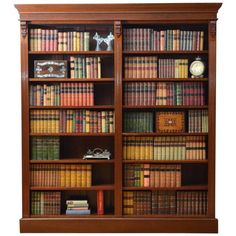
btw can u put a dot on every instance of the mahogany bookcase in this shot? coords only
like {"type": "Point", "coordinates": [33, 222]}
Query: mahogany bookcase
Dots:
{"type": "Point", "coordinates": [115, 17]}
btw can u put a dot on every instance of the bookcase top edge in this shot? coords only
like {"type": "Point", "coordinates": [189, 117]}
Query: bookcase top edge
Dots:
{"type": "Point", "coordinates": [118, 8]}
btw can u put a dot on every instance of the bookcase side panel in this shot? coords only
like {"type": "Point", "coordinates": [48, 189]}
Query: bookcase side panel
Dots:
{"type": "Point", "coordinates": [211, 117]}
{"type": "Point", "coordinates": [25, 120]}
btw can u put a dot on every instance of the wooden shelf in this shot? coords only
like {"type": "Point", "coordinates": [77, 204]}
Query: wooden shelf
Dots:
{"type": "Point", "coordinates": [72, 52]}
{"type": "Point", "coordinates": [165, 107]}
{"type": "Point", "coordinates": [101, 80]}
{"type": "Point", "coordinates": [105, 107]}
{"type": "Point", "coordinates": [71, 161]}
{"type": "Point", "coordinates": [165, 52]}
{"type": "Point", "coordinates": [164, 134]}
{"type": "Point", "coordinates": [165, 216]}
{"type": "Point", "coordinates": [74, 216]}
{"type": "Point", "coordinates": [197, 187]}
{"type": "Point", "coordinates": [164, 79]}
{"type": "Point", "coordinates": [168, 161]}
{"type": "Point", "coordinates": [96, 187]}
{"type": "Point", "coordinates": [73, 134]}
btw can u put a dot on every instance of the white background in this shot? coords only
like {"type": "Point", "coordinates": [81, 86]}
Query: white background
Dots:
{"type": "Point", "coordinates": [10, 116]}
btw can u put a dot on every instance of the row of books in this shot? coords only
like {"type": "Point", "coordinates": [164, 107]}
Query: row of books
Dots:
{"type": "Point", "coordinates": [198, 121]}
{"type": "Point", "coordinates": [138, 122]}
{"type": "Point", "coordinates": [140, 67]}
{"type": "Point", "coordinates": [71, 121]}
{"type": "Point", "coordinates": [60, 175]}
{"type": "Point", "coordinates": [45, 203]}
{"type": "Point", "coordinates": [164, 93]}
{"type": "Point", "coordinates": [165, 202]}
{"type": "Point", "coordinates": [192, 202]}
{"type": "Point", "coordinates": [143, 122]}
{"type": "Point", "coordinates": [77, 207]}
{"type": "Point", "coordinates": [139, 39]}
{"type": "Point", "coordinates": [165, 148]}
{"type": "Point", "coordinates": [173, 68]}
{"type": "Point", "coordinates": [85, 67]}
{"type": "Point", "coordinates": [151, 67]}
{"type": "Point", "coordinates": [52, 40]}
{"type": "Point", "coordinates": [63, 94]}
{"type": "Point", "coordinates": [187, 94]}
{"type": "Point", "coordinates": [45, 148]}
{"type": "Point", "coordinates": [152, 175]}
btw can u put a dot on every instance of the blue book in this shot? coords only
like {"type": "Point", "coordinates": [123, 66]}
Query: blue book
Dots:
{"type": "Point", "coordinates": [78, 212]}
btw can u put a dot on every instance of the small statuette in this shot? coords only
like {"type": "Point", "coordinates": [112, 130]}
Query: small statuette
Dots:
{"type": "Point", "coordinates": [108, 40]}
{"type": "Point", "coordinates": [97, 153]}
{"type": "Point", "coordinates": [99, 40]}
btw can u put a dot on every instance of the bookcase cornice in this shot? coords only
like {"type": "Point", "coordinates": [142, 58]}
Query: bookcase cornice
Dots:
{"type": "Point", "coordinates": [177, 11]}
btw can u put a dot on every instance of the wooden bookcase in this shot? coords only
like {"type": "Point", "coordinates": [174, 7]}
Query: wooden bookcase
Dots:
{"type": "Point", "coordinates": [108, 175]}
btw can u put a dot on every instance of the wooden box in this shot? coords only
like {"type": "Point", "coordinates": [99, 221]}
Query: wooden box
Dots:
{"type": "Point", "coordinates": [170, 122]}
{"type": "Point", "coordinates": [50, 69]}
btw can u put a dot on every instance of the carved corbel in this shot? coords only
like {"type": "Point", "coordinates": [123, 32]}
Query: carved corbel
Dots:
{"type": "Point", "coordinates": [118, 28]}
{"type": "Point", "coordinates": [23, 28]}
{"type": "Point", "coordinates": [212, 29]}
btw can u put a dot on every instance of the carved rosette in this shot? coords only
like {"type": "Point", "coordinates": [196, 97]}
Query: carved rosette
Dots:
{"type": "Point", "coordinates": [212, 29]}
{"type": "Point", "coordinates": [23, 28]}
{"type": "Point", "coordinates": [117, 28]}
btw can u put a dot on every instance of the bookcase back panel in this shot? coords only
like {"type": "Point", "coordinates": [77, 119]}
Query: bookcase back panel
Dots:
{"type": "Point", "coordinates": [104, 94]}
{"type": "Point", "coordinates": [194, 174]}
{"type": "Point", "coordinates": [77, 147]}
{"type": "Point", "coordinates": [103, 174]}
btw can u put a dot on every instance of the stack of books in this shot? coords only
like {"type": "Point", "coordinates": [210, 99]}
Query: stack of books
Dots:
{"type": "Point", "coordinates": [77, 207]}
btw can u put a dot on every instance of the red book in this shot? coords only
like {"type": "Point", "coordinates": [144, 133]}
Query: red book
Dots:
{"type": "Point", "coordinates": [100, 202]}
{"type": "Point", "coordinates": [47, 35]}
{"type": "Point", "coordinates": [50, 40]}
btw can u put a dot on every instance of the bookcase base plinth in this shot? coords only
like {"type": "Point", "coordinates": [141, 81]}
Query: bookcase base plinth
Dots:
{"type": "Point", "coordinates": [118, 225]}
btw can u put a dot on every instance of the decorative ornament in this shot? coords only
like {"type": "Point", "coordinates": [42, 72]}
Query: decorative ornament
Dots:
{"type": "Point", "coordinates": [97, 153]}
{"type": "Point", "coordinates": [99, 40]}
{"type": "Point", "coordinates": [197, 68]}
{"type": "Point", "coordinates": [108, 40]}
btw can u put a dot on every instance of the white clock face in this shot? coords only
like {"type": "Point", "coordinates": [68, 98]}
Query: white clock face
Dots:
{"type": "Point", "coordinates": [197, 68]}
